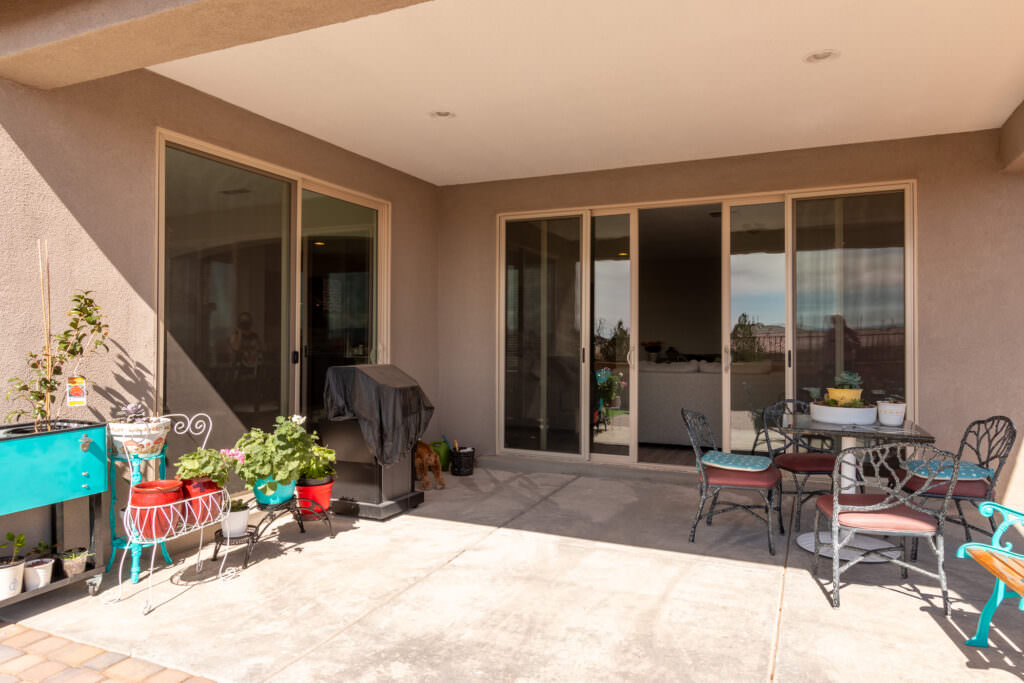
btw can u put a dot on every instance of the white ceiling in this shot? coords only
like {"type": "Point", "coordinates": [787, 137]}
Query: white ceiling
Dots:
{"type": "Point", "coordinates": [542, 87]}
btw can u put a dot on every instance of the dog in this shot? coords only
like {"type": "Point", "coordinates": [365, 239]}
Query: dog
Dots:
{"type": "Point", "coordinates": [427, 460]}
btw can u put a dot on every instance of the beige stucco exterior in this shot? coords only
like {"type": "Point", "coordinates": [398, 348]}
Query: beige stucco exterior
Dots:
{"type": "Point", "coordinates": [970, 240]}
{"type": "Point", "coordinates": [79, 168]}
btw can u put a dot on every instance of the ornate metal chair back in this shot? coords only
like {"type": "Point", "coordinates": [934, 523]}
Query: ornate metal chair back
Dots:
{"type": "Point", "coordinates": [702, 438]}
{"type": "Point", "coordinates": [990, 442]}
{"type": "Point", "coordinates": [775, 417]}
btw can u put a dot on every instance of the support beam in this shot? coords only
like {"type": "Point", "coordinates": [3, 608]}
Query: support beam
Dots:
{"type": "Point", "coordinates": [54, 43]}
{"type": "Point", "coordinates": [1011, 142]}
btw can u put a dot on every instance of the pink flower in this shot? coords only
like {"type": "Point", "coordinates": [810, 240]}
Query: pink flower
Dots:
{"type": "Point", "coordinates": [234, 454]}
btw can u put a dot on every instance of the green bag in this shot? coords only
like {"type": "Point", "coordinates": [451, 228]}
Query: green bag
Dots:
{"type": "Point", "coordinates": [441, 448]}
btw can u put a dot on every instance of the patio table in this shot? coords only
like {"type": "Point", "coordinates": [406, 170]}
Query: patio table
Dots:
{"type": "Point", "coordinates": [849, 435]}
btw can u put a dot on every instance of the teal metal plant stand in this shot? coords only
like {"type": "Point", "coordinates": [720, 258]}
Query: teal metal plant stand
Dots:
{"type": "Point", "coordinates": [998, 560]}
{"type": "Point", "coordinates": [199, 426]}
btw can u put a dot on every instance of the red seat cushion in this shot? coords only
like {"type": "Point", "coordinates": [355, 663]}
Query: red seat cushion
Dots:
{"type": "Point", "coordinates": [896, 518]}
{"type": "Point", "coordinates": [744, 478]}
{"type": "Point", "coordinates": [975, 488]}
{"type": "Point", "coordinates": [813, 463]}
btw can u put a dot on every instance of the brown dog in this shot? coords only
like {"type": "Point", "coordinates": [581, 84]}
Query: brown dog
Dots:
{"type": "Point", "coordinates": [426, 459]}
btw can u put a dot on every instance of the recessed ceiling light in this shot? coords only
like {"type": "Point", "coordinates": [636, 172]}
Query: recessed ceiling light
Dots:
{"type": "Point", "coordinates": [623, 253]}
{"type": "Point", "coordinates": [319, 244]}
{"type": "Point", "coordinates": [440, 114]}
{"type": "Point", "coordinates": [821, 56]}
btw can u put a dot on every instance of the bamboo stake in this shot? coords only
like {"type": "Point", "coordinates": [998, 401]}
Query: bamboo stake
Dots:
{"type": "Point", "coordinates": [43, 250]}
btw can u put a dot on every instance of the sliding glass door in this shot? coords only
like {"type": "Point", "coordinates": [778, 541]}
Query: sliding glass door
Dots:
{"type": "Point", "coordinates": [266, 282]}
{"type": "Point", "coordinates": [543, 284]}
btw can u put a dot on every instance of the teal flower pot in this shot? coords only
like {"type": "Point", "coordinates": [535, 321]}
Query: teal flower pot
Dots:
{"type": "Point", "coordinates": [282, 493]}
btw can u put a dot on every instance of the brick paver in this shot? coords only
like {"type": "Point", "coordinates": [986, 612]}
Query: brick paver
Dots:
{"type": "Point", "coordinates": [30, 655]}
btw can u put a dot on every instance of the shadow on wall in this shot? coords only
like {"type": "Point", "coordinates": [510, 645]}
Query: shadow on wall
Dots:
{"type": "Point", "coordinates": [132, 383]}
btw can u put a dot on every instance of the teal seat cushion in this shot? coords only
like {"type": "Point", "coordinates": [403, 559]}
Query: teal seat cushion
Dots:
{"type": "Point", "coordinates": [736, 461]}
{"type": "Point", "coordinates": [943, 469]}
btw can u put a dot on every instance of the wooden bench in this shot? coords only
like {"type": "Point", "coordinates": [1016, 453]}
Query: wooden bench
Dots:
{"type": "Point", "coordinates": [996, 558]}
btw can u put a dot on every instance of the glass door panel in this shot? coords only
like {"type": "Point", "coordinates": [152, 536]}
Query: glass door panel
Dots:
{"type": "Point", "coordinates": [543, 318]}
{"type": "Point", "coordinates": [610, 327]}
{"type": "Point", "coordinates": [850, 310]}
{"type": "Point", "coordinates": [757, 318]}
{"type": "Point", "coordinates": [339, 305]}
{"type": "Point", "coordinates": [226, 293]}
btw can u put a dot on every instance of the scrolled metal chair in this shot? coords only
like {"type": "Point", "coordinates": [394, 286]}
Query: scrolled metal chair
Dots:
{"type": "Point", "coordinates": [796, 453]}
{"type": "Point", "coordinates": [986, 443]}
{"type": "Point", "coordinates": [886, 507]}
{"type": "Point", "coordinates": [712, 480]}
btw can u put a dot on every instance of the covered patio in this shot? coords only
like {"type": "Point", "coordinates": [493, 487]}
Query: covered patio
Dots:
{"type": "Point", "coordinates": [542, 575]}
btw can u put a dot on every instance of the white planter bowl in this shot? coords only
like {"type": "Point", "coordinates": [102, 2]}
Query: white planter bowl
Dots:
{"type": "Point", "coordinates": [891, 414]}
{"type": "Point", "coordinates": [139, 438]}
{"type": "Point", "coordinates": [38, 573]}
{"type": "Point", "coordinates": [837, 415]}
{"type": "Point", "coordinates": [11, 577]}
{"type": "Point", "coordinates": [235, 523]}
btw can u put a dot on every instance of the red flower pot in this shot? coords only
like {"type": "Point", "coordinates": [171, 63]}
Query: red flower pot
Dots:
{"type": "Point", "coordinates": [316, 490]}
{"type": "Point", "coordinates": [206, 506]}
{"type": "Point", "coordinates": [156, 522]}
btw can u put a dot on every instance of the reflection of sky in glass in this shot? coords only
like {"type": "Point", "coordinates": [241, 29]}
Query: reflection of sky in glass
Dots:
{"type": "Point", "coordinates": [611, 294]}
{"type": "Point", "coordinates": [758, 287]}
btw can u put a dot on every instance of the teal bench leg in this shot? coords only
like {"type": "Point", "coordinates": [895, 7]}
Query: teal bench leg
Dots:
{"type": "Point", "coordinates": [980, 638]}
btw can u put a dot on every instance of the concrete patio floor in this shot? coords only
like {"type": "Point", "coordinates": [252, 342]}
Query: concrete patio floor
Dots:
{"type": "Point", "coordinates": [543, 576]}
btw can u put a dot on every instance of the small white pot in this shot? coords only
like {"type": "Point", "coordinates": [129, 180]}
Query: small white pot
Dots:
{"type": "Point", "coordinates": [235, 523]}
{"type": "Point", "coordinates": [38, 573]}
{"type": "Point", "coordinates": [11, 577]}
{"type": "Point", "coordinates": [891, 414]}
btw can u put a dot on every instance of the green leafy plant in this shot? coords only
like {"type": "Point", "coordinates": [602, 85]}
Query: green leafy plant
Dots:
{"type": "Point", "coordinates": [42, 549]}
{"type": "Point", "coordinates": [320, 465]}
{"type": "Point", "coordinates": [207, 462]}
{"type": "Point", "coordinates": [279, 456]}
{"type": "Point", "coordinates": [17, 543]}
{"type": "Point", "coordinates": [848, 380]}
{"type": "Point", "coordinates": [238, 505]}
{"type": "Point", "coordinates": [61, 356]}
{"type": "Point", "coordinates": [849, 404]}
{"type": "Point", "coordinates": [75, 554]}
{"type": "Point", "coordinates": [610, 386]}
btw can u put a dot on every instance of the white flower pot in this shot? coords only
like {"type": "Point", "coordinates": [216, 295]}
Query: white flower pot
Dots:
{"type": "Point", "coordinates": [11, 577]}
{"type": "Point", "coordinates": [235, 523]}
{"type": "Point", "coordinates": [891, 414]}
{"type": "Point", "coordinates": [139, 438]}
{"type": "Point", "coordinates": [38, 573]}
{"type": "Point", "coordinates": [837, 415]}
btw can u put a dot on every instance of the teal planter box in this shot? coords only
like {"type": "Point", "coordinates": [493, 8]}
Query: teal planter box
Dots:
{"type": "Point", "coordinates": [282, 493]}
{"type": "Point", "coordinates": [50, 467]}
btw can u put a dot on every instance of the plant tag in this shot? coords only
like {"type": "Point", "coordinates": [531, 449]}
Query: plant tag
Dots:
{"type": "Point", "coordinates": [76, 392]}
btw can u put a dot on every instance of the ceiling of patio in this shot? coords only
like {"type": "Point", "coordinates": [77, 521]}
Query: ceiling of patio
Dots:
{"type": "Point", "coordinates": [540, 87]}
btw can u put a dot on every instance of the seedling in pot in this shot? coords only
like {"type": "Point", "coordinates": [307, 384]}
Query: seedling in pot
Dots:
{"type": "Point", "coordinates": [132, 413]}
{"type": "Point", "coordinates": [238, 505]}
{"type": "Point", "coordinates": [18, 542]}
{"type": "Point", "coordinates": [43, 549]}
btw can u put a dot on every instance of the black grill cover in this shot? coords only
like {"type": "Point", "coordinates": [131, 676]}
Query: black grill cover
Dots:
{"type": "Point", "coordinates": [392, 410]}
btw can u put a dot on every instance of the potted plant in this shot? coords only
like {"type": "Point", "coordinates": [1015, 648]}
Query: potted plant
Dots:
{"type": "Point", "coordinates": [39, 572]}
{"type": "Point", "coordinates": [844, 405]}
{"type": "Point", "coordinates": [74, 560]}
{"type": "Point", "coordinates": [316, 479]}
{"type": "Point", "coordinates": [892, 411]}
{"type": "Point", "coordinates": [273, 461]}
{"type": "Point", "coordinates": [236, 522]}
{"type": "Point", "coordinates": [202, 472]}
{"type": "Point", "coordinates": [12, 569]}
{"type": "Point", "coordinates": [134, 432]}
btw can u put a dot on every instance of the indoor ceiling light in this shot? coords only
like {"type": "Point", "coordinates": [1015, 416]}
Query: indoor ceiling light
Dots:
{"type": "Point", "coordinates": [319, 244]}
{"type": "Point", "coordinates": [623, 253]}
{"type": "Point", "coordinates": [821, 56]}
{"type": "Point", "coordinates": [440, 114]}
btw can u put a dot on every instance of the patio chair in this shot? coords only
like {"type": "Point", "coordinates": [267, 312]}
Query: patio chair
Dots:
{"type": "Point", "coordinates": [732, 471]}
{"type": "Point", "coordinates": [1006, 566]}
{"type": "Point", "coordinates": [988, 443]}
{"type": "Point", "coordinates": [795, 453]}
{"type": "Point", "coordinates": [886, 507]}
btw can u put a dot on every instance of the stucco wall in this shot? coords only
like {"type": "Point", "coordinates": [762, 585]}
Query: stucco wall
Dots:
{"type": "Point", "coordinates": [77, 167]}
{"type": "Point", "coordinates": [970, 243]}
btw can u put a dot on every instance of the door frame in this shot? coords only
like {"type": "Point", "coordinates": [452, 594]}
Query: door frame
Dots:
{"type": "Point", "coordinates": [298, 181]}
{"type": "Point", "coordinates": [909, 188]}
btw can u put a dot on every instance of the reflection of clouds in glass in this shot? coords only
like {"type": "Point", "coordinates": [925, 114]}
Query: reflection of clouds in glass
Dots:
{"type": "Point", "coordinates": [758, 287]}
{"type": "Point", "coordinates": [611, 293]}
